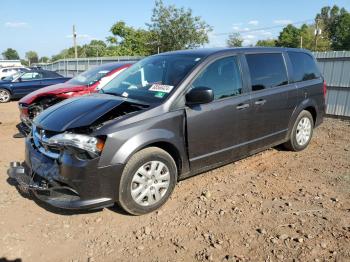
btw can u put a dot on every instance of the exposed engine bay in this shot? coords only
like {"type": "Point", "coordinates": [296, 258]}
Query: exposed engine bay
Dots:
{"type": "Point", "coordinates": [40, 105]}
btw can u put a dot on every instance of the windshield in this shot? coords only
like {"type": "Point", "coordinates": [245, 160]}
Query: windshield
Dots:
{"type": "Point", "coordinates": [153, 78]}
{"type": "Point", "coordinates": [89, 77]}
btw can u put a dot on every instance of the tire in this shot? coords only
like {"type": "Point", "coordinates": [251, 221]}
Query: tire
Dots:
{"type": "Point", "coordinates": [138, 179]}
{"type": "Point", "coordinates": [5, 95]}
{"type": "Point", "coordinates": [303, 125]}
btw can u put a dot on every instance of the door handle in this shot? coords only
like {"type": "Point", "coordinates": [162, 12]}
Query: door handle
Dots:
{"type": "Point", "coordinates": [260, 102]}
{"type": "Point", "coordinates": [242, 106]}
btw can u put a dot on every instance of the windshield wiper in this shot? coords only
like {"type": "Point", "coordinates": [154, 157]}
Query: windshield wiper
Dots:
{"type": "Point", "coordinates": [110, 93]}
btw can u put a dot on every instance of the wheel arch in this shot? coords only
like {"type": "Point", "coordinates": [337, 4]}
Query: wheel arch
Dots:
{"type": "Point", "coordinates": [308, 105]}
{"type": "Point", "coordinates": [161, 138]}
{"type": "Point", "coordinates": [171, 149]}
{"type": "Point", "coordinates": [7, 88]}
{"type": "Point", "coordinates": [312, 111]}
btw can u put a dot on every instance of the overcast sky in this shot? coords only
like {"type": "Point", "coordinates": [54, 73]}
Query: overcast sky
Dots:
{"type": "Point", "coordinates": [46, 26]}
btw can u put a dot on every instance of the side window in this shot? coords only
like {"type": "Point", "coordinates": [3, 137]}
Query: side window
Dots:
{"type": "Point", "coordinates": [223, 76]}
{"type": "Point", "coordinates": [266, 70]}
{"type": "Point", "coordinates": [27, 76]}
{"type": "Point", "coordinates": [304, 66]}
{"type": "Point", "coordinates": [31, 76]}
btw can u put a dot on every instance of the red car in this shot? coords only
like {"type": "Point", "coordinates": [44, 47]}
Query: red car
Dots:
{"type": "Point", "coordinates": [87, 82]}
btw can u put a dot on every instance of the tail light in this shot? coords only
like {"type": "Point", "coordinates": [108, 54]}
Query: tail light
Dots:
{"type": "Point", "coordinates": [324, 89]}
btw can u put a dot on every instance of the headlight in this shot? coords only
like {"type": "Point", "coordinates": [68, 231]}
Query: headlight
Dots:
{"type": "Point", "coordinates": [88, 143]}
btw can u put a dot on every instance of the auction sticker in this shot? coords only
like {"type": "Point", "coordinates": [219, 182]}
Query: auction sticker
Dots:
{"type": "Point", "coordinates": [161, 88]}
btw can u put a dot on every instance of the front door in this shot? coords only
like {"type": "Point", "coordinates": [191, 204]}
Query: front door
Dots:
{"type": "Point", "coordinates": [27, 83]}
{"type": "Point", "coordinates": [217, 131]}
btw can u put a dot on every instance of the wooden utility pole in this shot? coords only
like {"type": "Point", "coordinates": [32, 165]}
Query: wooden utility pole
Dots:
{"type": "Point", "coordinates": [75, 42]}
{"type": "Point", "coordinates": [301, 42]}
{"type": "Point", "coordinates": [318, 32]}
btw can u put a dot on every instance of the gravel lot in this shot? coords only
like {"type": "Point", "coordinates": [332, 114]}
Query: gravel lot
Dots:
{"type": "Point", "coordinates": [274, 206]}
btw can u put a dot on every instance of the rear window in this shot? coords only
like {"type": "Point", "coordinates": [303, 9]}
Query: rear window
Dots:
{"type": "Point", "coordinates": [266, 70]}
{"type": "Point", "coordinates": [304, 67]}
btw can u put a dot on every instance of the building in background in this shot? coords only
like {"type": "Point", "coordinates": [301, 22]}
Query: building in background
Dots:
{"type": "Point", "coordinates": [9, 63]}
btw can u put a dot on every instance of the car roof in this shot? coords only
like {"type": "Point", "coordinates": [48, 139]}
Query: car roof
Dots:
{"type": "Point", "coordinates": [12, 67]}
{"type": "Point", "coordinates": [46, 73]}
{"type": "Point", "coordinates": [211, 51]}
{"type": "Point", "coordinates": [114, 65]}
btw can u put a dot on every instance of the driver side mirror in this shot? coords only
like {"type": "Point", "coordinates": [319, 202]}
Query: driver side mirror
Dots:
{"type": "Point", "coordinates": [19, 79]}
{"type": "Point", "coordinates": [199, 95]}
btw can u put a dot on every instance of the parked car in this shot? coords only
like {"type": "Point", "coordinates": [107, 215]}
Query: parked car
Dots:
{"type": "Point", "coordinates": [8, 71]}
{"type": "Point", "coordinates": [168, 117]}
{"type": "Point", "coordinates": [87, 82]}
{"type": "Point", "coordinates": [19, 85]}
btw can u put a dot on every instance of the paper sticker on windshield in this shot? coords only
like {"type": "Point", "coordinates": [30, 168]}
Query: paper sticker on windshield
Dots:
{"type": "Point", "coordinates": [161, 88]}
{"type": "Point", "coordinates": [103, 72]}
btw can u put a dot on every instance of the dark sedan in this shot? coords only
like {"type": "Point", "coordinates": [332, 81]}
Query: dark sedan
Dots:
{"type": "Point", "coordinates": [19, 85]}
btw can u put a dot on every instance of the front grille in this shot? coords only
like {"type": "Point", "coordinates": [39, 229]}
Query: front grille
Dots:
{"type": "Point", "coordinates": [40, 139]}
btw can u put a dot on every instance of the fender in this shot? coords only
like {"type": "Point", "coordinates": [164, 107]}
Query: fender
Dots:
{"type": "Point", "coordinates": [144, 139]}
{"type": "Point", "coordinates": [308, 102]}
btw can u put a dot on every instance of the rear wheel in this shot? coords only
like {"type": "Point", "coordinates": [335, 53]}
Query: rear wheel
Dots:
{"type": "Point", "coordinates": [147, 181]}
{"type": "Point", "coordinates": [5, 95]}
{"type": "Point", "coordinates": [301, 133]}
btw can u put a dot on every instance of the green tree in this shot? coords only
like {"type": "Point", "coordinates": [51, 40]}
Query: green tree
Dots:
{"type": "Point", "coordinates": [289, 37]}
{"type": "Point", "coordinates": [10, 54]}
{"type": "Point", "coordinates": [32, 57]}
{"type": "Point", "coordinates": [24, 62]}
{"type": "Point", "coordinates": [176, 28]}
{"type": "Point", "coordinates": [266, 42]}
{"type": "Point", "coordinates": [304, 36]}
{"type": "Point", "coordinates": [307, 33]}
{"type": "Point", "coordinates": [335, 23]}
{"type": "Point", "coordinates": [234, 40]}
{"type": "Point", "coordinates": [44, 59]}
{"type": "Point", "coordinates": [341, 40]}
{"type": "Point", "coordinates": [96, 48]}
{"type": "Point", "coordinates": [127, 40]}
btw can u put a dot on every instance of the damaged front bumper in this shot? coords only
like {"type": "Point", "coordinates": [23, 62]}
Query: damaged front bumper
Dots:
{"type": "Point", "coordinates": [67, 182]}
{"type": "Point", "coordinates": [25, 126]}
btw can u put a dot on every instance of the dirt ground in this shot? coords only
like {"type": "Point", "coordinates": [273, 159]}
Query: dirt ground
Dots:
{"type": "Point", "coordinates": [274, 206]}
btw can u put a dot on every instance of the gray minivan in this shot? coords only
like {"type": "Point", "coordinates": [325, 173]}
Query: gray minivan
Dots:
{"type": "Point", "coordinates": [168, 117]}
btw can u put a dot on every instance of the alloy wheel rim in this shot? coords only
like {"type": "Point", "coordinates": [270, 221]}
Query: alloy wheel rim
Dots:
{"type": "Point", "coordinates": [4, 96]}
{"type": "Point", "coordinates": [150, 183]}
{"type": "Point", "coordinates": [303, 131]}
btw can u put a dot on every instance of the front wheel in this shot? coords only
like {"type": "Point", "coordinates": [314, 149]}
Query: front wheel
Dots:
{"type": "Point", "coordinates": [147, 181]}
{"type": "Point", "coordinates": [5, 95]}
{"type": "Point", "coordinates": [301, 133]}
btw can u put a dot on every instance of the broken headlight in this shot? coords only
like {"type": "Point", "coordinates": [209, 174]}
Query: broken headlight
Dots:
{"type": "Point", "coordinates": [87, 143]}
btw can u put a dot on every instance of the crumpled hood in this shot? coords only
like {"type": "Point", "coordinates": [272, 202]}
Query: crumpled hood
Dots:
{"type": "Point", "coordinates": [77, 112]}
{"type": "Point", "coordinates": [51, 90]}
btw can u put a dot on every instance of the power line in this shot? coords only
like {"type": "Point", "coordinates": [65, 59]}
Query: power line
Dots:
{"type": "Point", "coordinates": [263, 28]}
